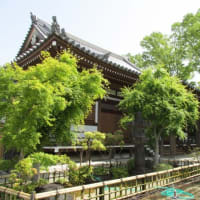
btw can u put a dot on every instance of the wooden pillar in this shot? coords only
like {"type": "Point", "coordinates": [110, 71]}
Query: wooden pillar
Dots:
{"type": "Point", "coordinates": [172, 145]}
{"type": "Point", "coordinates": [138, 127]}
{"type": "Point", "coordinates": [139, 155]}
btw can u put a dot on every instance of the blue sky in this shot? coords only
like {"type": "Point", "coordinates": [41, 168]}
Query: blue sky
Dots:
{"type": "Point", "coordinates": [116, 25]}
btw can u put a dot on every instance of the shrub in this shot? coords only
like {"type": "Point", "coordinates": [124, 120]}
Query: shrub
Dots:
{"type": "Point", "coordinates": [45, 160]}
{"type": "Point", "coordinates": [162, 166]}
{"type": "Point", "coordinates": [29, 187]}
{"type": "Point", "coordinates": [131, 166]}
{"type": "Point", "coordinates": [119, 172]}
{"type": "Point", "coordinates": [80, 175]}
{"type": "Point", "coordinates": [100, 171]}
{"type": "Point", "coordinates": [24, 170]}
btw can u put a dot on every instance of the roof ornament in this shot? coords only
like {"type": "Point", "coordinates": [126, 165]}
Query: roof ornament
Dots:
{"type": "Point", "coordinates": [33, 18]}
{"type": "Point", "coordinates": [63, 34]}
{"type": "Point", "coordinates": [55, 27]}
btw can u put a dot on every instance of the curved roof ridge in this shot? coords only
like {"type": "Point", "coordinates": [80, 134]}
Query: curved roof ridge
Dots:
{"type": "Point", "coordinates": [47, 29]}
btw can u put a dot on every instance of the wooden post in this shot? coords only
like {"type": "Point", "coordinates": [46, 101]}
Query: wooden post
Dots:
{"type": "Point", "coordinates": [144, 183]}
{"type": "Point", "coordinates": [33, 195]}
{"type": "Point", "coordinates": [82, 192]}
{"type": "Point", "coordinates": [136, 183]}
{"type": "Point", "coordinates": [121, 188]}
{"type": "Point", "coordinates": [101, 191]}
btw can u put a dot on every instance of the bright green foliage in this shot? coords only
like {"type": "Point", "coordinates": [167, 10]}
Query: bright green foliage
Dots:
{"type": "Point", "coordinates": [159, 49]}
{"type": "Point", "coordinates": [43, 101]}
{"type": "Point", "coordinates": [114, 139]}
{"type": "Point", "coordinates": [166, 105]}
{"type": "Point", "coordinates": [24, 169]}
{"type": "Point", "coordinates": [45, 160]}
{"type": "Point", "coordinates": [162, 166]}
{"type": "Point", "coordinates": [178, 52]}
{"type": "Point", "coordinates": [92, 141]}
{"type": "Point", "coordinates": [186, 38]}
{"type": "Point", "coordinates": [29, 187]}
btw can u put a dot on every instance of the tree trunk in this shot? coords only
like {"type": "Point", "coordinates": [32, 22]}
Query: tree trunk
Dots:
{"type": "Point", "coordinates": [81, 157]}
{"type": "Point", "coordinates": [21, 155]}
{"type": "Point", "coordinates": [89, 156]}
{"type": "Point", "coordinates": [36, 177]}
{"type": "Point", "coordinates": [156, 157]}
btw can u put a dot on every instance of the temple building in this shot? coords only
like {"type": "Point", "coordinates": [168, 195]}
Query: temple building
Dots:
{"type": "Point", "coordinates": [117, 69]}
{"type": "Point", "coordinates": [120, 72]}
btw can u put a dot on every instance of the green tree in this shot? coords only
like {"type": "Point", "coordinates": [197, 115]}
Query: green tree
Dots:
{"type": "Point", "coordinates": [92, 141]}
{"type": "Point", "coordinates": [178, 52]}
{"type": "Point", "coordinates": [159, 49]}
{"type": "Point", "coordinates": [166, 105]}
{"type": "Point", "coordinates": [186, 39]}
{"type": "Point", "coordinates": [116, 138]}
{"type": "Point", "coordinates": [43, 101]}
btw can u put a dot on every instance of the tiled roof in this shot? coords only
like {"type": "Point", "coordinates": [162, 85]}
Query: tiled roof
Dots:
{"type": "Point", "coordinates": [46, 30]}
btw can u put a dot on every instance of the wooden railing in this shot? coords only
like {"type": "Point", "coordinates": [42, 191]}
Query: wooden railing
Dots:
{"type": "Point", "coordinates": [125, 187]}
{"type": "Point", "coordinates": [9, 194]}
{"type": "Point", "coordinates": [113, 189]}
